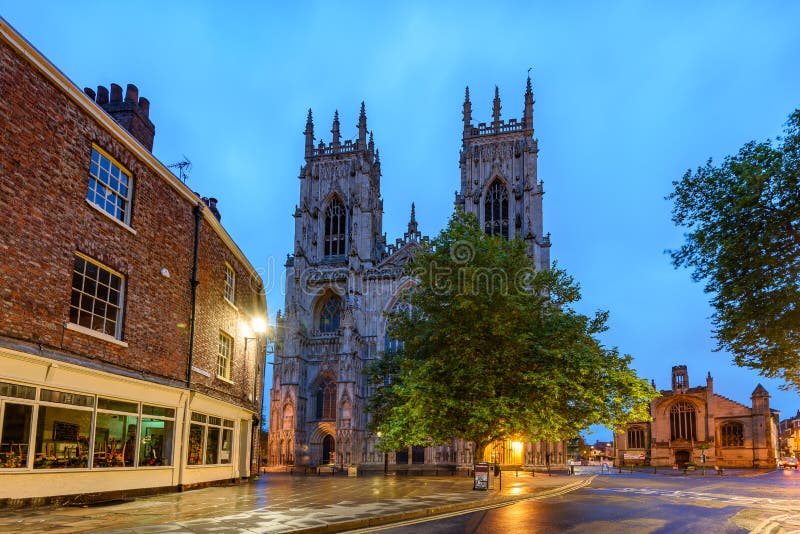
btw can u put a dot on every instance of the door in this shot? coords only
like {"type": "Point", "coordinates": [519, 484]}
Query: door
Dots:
{"type": "Point", "coordinates": [328, 450]}
{"type": "Point", "coordinates": [244, 448]}
{"type": "Point", "coordinates": [682, 458]}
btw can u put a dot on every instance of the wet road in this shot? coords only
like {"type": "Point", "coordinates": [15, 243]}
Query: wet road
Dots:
{"type": "Point", "coordinates": [644, 504]}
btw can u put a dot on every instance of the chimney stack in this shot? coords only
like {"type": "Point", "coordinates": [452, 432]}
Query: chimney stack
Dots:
{"type": "Point", "coordinates": [133, 113]}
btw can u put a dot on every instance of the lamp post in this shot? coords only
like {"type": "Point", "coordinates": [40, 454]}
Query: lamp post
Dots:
{"type": "Point", "coordinates": [385, 458]}
{"type": "Point", "coordinates": [256, 328]}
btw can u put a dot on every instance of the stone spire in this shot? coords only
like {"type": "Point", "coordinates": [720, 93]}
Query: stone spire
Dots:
{"type": "Point", "coordinates": [362, 126]}
{"type": "Point", "coordinates": [467, 113]}
{"type": "Point", "coordinates": [371, 145]}
{"type": "Point", "coordinates": [412, 223]}
{"type": "Point", "coordinates": [335, 143]}
{"type": "Point", "coordinates": [496, 109]}
{"type": "Point", "coordinates": [528, 114]}
{"type": "Point", "coordinates": [309, 133]}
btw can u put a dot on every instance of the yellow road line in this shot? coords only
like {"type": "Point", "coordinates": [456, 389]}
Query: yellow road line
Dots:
{"type": "Point", "coordinates": [539, 496]}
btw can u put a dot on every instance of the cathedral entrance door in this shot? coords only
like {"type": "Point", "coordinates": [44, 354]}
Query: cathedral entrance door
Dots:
{"type": "Point", "coordinates": [328, 448]}
{"type": "Point", "coordinates": [682, 458]}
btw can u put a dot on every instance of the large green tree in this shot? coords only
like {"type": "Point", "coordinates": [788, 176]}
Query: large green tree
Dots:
{"type": "Point", "coordinates": [743, 241]}
{"type": "Point", "coordinates": [493, 350]}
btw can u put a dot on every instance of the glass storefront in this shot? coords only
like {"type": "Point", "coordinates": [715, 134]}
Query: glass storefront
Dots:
{"type": "Point", "coordinates": [44, 428]}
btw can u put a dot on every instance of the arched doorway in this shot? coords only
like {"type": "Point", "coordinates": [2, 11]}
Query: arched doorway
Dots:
{"type": "Point", "coordinates": [682, 458]}
{"type": "Point", "coordinates": [328, 450]}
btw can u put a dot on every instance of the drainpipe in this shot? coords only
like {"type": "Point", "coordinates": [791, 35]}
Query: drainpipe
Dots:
{"type": "Point", "coordinates": [198, 217]}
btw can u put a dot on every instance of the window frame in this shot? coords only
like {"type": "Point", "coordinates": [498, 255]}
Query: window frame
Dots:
{"type": "Point", "coordinates": [334, 229]}
{"type": "Point", "coordinates": [126, 200]}
{"type": "Point", "coordinates": [224, 361]}
{"type": "Point", "coordinates": [229, 289]}
{"type": "Point", "coordinates": [496, 210]}
{"type": "Point", "coordinates": [729, 438]}
{"type": "Point", "coordinates": [95, 298]}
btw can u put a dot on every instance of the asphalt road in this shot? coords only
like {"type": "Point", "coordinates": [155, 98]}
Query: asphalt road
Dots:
{"type": "Point", "coordinates": [764, 503]}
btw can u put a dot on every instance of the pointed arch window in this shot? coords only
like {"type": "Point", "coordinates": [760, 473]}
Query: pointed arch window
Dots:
{"type": "Point", "coordinates": [495, 210]}
{"type": "Point", "coordinates": [330, 315]}
{"type": "Point", "coordinates": [682, 420]}
{"type": "Point", "coordinates": [402, 306]}
{"type": "Point", "coordinates": [335, 219]}
{"type": "Point", "coordinates": [326, 400]}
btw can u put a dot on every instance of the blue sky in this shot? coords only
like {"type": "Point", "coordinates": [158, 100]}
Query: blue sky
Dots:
{"type": "Point", "coordinates": [629, 95]}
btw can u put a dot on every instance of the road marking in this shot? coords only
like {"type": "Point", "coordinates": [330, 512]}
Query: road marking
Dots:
{"type": "Point", "coordinates": [539, 496]}
{"type": "Point", "coordinates": [784, 505]}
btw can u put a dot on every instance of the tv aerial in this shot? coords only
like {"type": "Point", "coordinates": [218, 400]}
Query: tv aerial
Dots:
{"type": "Point", "coordinates": [183, 166]}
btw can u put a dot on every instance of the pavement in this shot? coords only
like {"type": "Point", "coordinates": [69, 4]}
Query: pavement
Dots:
{"type": "Point", "coordinates": [284, 503]}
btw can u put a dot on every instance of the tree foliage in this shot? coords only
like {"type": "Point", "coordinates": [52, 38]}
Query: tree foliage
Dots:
{"type": "Point", "coordinates": [492, 349]}
{"type": "Point", "coordinates": [743, 241]}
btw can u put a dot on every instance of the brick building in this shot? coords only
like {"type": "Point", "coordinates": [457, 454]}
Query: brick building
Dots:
{"type": "Point", "coordinates": [698, 425]}
{"type": "Point", "coordinates": [130, 351]}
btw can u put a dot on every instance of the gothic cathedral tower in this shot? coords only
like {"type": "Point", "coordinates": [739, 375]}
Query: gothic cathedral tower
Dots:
{"type": "Point", "coordinates": [344, 277]}
{"type": "Point", "coordinates": [499, 177]}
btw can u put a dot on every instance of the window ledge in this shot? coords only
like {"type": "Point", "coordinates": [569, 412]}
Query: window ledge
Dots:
{"type": "Point", "coordinates": [94, 333]}
{"type": "Point", "coordinates": [226, 380]}
{"type": "Point", "coordinates": [231, 304]}
{"type": "Point", "coordinates": [109, 216]}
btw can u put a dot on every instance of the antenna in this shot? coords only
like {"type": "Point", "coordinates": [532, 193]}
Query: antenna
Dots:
{"type": "Point", "coordinates": [183, 166]}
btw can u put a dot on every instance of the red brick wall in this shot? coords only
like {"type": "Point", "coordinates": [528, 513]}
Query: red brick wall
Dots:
{"type": "Point", "coordinates": [45, 149]}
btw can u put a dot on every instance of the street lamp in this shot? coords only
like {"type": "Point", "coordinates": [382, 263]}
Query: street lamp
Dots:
{"type": "Point", "coordinates": [385, 458]}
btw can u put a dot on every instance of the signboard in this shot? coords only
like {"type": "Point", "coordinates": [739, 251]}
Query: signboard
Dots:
{"type": "Point", "coordinates": [481, 477]}
{"type": "Point", "coordinates": [633, 456]}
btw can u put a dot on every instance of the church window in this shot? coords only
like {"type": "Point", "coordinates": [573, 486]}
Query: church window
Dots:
{"type": "Point", "coordinates": [326, 400]}
{"type": "Point", "coordinates": [635, 438]}
{"type": "Point", "coordinates": [402, 306]}
{"type": "Point", "coordinates": [682, 420]}
{"type": "Point", "coordinates": [495, 206]}
{"type": "Point", "coordinates": [330, 314]}
{"type": "Point", "coordinates": [288, 417]}
{"type": "Point", "coordinates": [335, 219]}
{"type": "Point", "coordinates": [732, 434]}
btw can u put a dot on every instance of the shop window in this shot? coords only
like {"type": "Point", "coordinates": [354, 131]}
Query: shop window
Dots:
{"type": "Point", "coordinates": [15, 435]}
{"type": "Point", "coordinates": [157, 436]}
{"type": "Point", "coordinates": [62, 437]}
{"type": "Point", "coordinates": [209, 443]}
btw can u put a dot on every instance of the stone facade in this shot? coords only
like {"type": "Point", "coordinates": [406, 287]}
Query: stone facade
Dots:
{"type": "Point", "coordinates": [696, 425]}
{"type": "Point", "coordinates": [343, 277]}
{"type": "Point", "coordinates": [156, 360]}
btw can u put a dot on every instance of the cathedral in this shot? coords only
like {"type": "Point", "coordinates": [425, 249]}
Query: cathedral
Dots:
{"type": "Point", "coordinates": [344, 276]}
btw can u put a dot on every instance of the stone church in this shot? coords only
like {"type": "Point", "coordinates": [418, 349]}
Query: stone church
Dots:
{"type": "Point", "coordinates": [699, 426]}
{"type": "Point", "coordinates": [344, 276]}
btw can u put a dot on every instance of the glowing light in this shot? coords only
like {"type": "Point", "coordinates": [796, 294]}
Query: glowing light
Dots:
{"type": "Point", "coordinates": [259, 325]}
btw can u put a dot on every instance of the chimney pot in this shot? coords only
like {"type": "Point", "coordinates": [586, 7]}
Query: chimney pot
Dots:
{"type": "Point", "coordinates": [144, 105]}
{"type": "Point", "coordinates": [90, 92]}
{"type": "Point", "coordinates": [102, 95]}
{"type": "Point", "coordinates": [116, 94]}
{"type": "Point", "coordinates": [131, 93]}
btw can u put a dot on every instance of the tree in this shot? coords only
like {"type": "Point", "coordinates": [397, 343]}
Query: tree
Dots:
{"type": "Point", "coordinates": [743, 241]}
{"type": "Point", "coordinates": [491, 349]}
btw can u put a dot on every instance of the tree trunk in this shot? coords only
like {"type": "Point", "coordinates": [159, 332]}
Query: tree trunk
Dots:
{"type": "Point", "coordinates": [480, 448]}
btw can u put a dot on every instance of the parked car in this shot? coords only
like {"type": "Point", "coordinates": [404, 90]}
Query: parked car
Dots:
{"type": "Point", "coordinates": [788, 462]}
